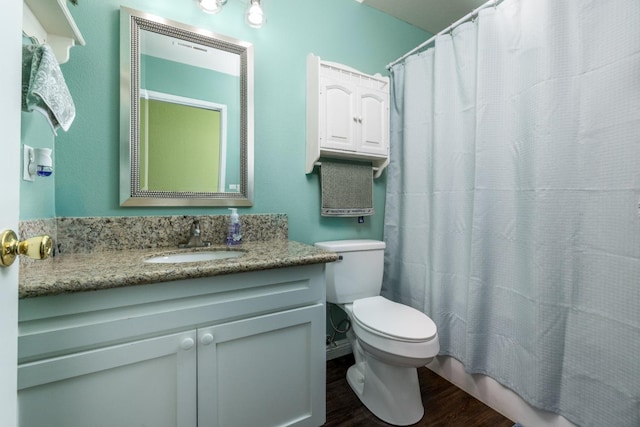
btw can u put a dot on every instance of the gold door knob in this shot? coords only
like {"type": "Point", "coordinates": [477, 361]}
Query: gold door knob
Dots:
{"type": "Point", "coordinates": [36, 247]}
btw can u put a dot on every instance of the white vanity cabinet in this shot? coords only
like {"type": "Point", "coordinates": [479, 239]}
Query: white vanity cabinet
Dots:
{"type": "Point", "coordinates": [239, 350]}
{"type": "Point", "coordinates": [347, 114]}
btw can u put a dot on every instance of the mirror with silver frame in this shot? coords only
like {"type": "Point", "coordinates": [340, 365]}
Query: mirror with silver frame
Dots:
{"type": "Point", "coordinates": [186, 115]}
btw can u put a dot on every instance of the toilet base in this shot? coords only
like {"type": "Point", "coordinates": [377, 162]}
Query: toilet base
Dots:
{"type": "Point", "coordinates": [391, 393]}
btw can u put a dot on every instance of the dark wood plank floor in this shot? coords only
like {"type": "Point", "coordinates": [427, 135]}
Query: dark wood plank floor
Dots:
{"type": "Point", "coordinates": [444, 404]}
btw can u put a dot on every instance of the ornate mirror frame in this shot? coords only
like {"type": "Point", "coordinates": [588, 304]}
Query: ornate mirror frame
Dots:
{"type": "Point", "coordinates": [131, 194]}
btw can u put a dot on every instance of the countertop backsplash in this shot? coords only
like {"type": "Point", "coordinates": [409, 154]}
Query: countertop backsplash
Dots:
{"type": "Point", "coordinates": [97, 234]}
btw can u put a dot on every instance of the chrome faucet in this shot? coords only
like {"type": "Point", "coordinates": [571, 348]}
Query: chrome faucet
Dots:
{"type": "Point", "coordinates": [195, 237]}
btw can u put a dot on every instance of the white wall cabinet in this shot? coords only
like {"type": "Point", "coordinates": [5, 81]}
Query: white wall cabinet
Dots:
{"type": "Point", "coordinates": [352, 118]}
{"type": "Point", "coordinates": [239, 350]}
{"type": "Point", "coordinates": [347, 114]}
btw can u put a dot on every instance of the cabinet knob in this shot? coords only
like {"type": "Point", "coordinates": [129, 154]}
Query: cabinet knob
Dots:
{"type": "Point", "coordinates": [206, 339]}
{"type": "Point", "coordinates": [187, 343]}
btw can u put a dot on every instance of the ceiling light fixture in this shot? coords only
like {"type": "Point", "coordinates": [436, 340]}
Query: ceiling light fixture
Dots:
{"type": "Point", "coordinates": [211, 6]}
{"type": "Point", "coordinates": [254, 16]}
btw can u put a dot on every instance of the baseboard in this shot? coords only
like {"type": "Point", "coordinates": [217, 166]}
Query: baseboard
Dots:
{"type": "Point", "coordinates": [338, 349]}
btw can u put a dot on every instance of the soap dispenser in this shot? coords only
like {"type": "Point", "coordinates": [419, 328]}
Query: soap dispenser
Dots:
{"type": "Point", "coordinates": [234, 236]}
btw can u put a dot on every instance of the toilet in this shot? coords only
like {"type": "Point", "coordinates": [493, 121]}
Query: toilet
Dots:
{"type": "Point", "coordinates": [389, 340]}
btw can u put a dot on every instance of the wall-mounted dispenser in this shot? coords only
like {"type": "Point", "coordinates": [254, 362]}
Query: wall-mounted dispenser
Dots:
{"type": "Point", "coordinates": [36, 161]}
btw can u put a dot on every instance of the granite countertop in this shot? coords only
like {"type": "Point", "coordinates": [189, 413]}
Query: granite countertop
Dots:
{"type": "Point", "coordinates": [79, 272]}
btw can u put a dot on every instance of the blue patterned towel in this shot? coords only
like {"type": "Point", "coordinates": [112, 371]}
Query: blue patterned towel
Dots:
{"type": "Point", "coordinates": [44, 88]}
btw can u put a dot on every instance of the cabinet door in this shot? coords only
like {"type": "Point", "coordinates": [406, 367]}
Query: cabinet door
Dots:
{"type": "Point", "coordinates": [373, 121]}
{"type": "Point", "coordinates": [264, 371]}
{"type": "Point", "coordinates": [144, 383]}
{"type": "Point", "coordinates": [338, 118]}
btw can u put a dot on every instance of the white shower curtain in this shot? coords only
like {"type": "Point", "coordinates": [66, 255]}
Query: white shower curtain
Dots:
{"type": "Point", "coordinates": [513, 201]}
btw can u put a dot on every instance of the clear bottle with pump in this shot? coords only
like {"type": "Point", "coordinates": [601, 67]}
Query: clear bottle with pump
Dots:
{"type": "Point", "coordinates": [234, 236]}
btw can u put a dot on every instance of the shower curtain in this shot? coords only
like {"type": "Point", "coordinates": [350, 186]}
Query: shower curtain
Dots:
{"type": "Point", "coordinates": [513, 201]}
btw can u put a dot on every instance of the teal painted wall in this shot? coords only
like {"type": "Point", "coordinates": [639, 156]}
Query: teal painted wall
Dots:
{"type": "Point", "coordinates": [345, 31]}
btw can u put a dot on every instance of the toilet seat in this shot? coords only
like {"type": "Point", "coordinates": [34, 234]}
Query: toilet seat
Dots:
{"type": "Point", "coordinates": [392, 320]}
{"type": "Point", "coordinates": [394, 340]}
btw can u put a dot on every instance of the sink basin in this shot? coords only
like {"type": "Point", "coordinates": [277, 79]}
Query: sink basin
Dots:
{"type": "Point", "coordinates": [193, 257]}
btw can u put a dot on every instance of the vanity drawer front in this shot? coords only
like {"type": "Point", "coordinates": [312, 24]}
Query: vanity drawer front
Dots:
{"type": "Point", "coordinates": [58, 325]}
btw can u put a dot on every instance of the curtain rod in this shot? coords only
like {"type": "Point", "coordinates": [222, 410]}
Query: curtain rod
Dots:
{"type": "Point", "coordinates": [462, 20]}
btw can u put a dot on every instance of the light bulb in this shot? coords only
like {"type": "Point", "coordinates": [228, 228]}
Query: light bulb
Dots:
{"type": "Point", "coordinates": [255, 15]}
{"type": "Point", "coordinates": [210, 6]}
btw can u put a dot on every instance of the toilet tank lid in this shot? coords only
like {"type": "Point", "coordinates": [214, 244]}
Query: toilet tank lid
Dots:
{"type": "Point", "coordinates": [351, 245]}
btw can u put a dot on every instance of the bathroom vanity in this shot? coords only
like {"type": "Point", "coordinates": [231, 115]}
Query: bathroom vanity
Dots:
{"type": "Point", "coordinates": [235, 342]}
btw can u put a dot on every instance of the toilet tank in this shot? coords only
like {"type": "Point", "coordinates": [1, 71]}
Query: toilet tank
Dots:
{"type": "Point", "coordinates": [358, 272]}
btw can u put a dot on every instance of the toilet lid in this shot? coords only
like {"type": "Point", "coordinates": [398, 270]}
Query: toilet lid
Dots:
{"type": "Point", "coordinates": [393, 319]}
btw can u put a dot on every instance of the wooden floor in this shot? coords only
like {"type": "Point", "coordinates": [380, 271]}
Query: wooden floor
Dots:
{"type": "Point", "coordinates": [444, 404]}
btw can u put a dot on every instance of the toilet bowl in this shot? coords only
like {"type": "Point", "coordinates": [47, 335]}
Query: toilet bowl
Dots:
{"type": "Point", "coordinates": [389, 340]}
{"type": "Point", "coordinates": [384, 376]}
